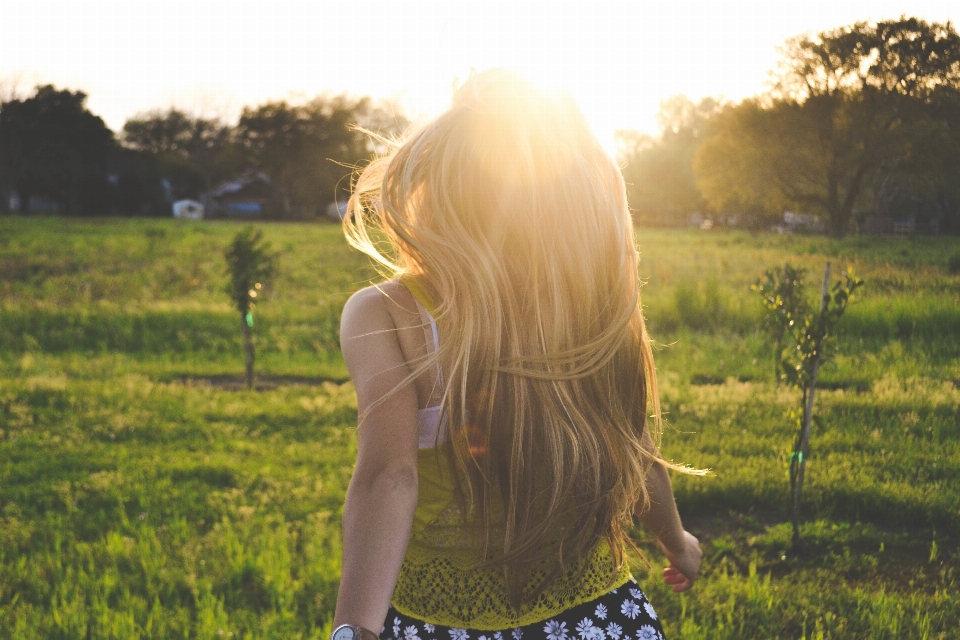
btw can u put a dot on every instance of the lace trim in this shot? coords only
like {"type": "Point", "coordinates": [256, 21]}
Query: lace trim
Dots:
{"type": "Point", "coordinates": [445, 589]}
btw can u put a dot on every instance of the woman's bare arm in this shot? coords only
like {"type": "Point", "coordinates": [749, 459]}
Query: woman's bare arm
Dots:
{"type": "Point", "coordinates": [382, 497]}
{"type": "Point", "coordinates": [662, 519]}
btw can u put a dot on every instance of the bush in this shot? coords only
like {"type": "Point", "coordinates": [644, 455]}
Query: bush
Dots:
{"type": "Point", "coordinates": [953, 263]}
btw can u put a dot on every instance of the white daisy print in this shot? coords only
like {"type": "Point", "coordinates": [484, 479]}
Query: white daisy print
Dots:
{"type": "Point", "coordinates": [636, 593]}
{"type": "Point", "coordinates": [584, 627]}
{"type": "Point", "coordinates": [614, 631]}
{"type": "Point", "coordinates": [601, 612]}
{"type": "Point", "coordinates": [396, 627]}
{"type": "Point", "coordinates": [630, 609]}
{"type": "Point", "coordinates": [646, 632]}
{"type": "Point", "coordinates": [587, 631]}
{"type": "Point", "coordinates": [410, 633]}
{"type": "Point", "coordinates": [429, 627]}
{"type": "Point", "coordinates": [554, 630]}
{"type": "Point", "coordinates": [459, 634]}
{"type": "Point", "coordinates": [483, 638]}
{"type": "Point", "coordinates": [650, 611]}
{"type": "Point", "coordinates": [516, 633]}
{"type": "Point", "coordinates": [498, 636]}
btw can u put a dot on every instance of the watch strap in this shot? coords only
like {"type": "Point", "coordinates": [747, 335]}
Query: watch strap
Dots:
{"type": "Point", "coordinates": [358, 633]}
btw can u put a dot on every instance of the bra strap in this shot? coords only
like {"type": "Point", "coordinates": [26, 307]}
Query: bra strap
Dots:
{"type": "Point", "coordinates": [434, 334]}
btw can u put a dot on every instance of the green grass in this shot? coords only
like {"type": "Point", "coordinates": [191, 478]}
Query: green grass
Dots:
{"type": "Point", "coordinates": [140, 496]}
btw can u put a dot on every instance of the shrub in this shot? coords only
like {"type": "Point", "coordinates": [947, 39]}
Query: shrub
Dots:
{"type": "Point", "coordinates": [953, 263]}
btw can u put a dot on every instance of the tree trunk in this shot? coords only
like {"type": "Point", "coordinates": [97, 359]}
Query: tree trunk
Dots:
{"type": "Point", "coordinates": [778, 345]}
{"type": "Point", "coordinates": [248, 353]}
{"type": "Point", "coordinates": [798, 460]}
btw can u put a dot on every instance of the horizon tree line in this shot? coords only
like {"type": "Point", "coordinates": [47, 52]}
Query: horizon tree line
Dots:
{"type": "Point", "coordinates": [859, 121]}
{"type": "Point", "coordinates": [53, 147]}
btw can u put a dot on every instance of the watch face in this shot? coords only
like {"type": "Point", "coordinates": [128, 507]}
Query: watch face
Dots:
{"type": "Point", "coordinates": [345, 632]}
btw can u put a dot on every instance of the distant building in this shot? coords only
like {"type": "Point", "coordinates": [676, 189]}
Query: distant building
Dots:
{"type": "Point", "coordinates": [250, 196]}
{"type": "Point", "coordinates": [32, 204]}
{"type": "Point", "coordinates": [337, 210]}
{"type": "Point", "coordinates": [188, 210]}
{"type": "Point", "coordinates": [800, 223]}
{"type": "Point", "coordinates": [907, 215]}
{"type": "Point", "coordinates": [42, 204]}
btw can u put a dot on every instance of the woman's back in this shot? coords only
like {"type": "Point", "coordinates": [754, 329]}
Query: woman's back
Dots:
{"type": "Point", "coordinates": [440, 581]}
{"type": "Point", "coordinates": [509, 223]}
{"type": "Point", "coordinates": [513, 220]}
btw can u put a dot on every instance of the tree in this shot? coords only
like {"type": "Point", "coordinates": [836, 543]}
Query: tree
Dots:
{"type": "Point", "coordinates": [846, 104]}
{"type": "Point", "coordinates": [659, 171]}
{"type": "Point", "coordinates": [187, 146]}
{"type": "Point", "coordinates": [926, 174]}
{"type": "Point", "coordinates": [732, 165]}
{"type": "Point", "coordinates": [9, 91]}
{"type": "Point", "coordinates": [250, 264]}
{"type": "Point", "coordinates": [309, 150]}
{"type": "Point", "coordinates": [807, 335]}
{"type": "Point", "coordinates": [51, 145]}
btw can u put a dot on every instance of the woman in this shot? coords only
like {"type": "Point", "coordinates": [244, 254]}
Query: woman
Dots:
{"type": "Point", "coordinates": [504, 378]}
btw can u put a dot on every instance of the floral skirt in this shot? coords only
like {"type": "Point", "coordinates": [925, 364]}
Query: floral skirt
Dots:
{"type": "Point", "coordinates": [621, 614]}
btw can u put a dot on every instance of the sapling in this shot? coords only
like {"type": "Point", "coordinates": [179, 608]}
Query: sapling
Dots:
{"type": "Point", "coordinates": [250, 264]}
{"type": "Point", "coordinates": [800, 339]}
{"type": "Point", "coordinates": [785, 304]}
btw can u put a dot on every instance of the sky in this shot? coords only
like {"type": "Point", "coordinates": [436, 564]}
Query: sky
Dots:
{"type": "Point", "coordinates": [212, 57]}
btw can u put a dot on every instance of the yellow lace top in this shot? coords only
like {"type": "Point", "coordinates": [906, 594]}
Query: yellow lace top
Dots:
{"type": "Point", "coordinates": [439, 582]}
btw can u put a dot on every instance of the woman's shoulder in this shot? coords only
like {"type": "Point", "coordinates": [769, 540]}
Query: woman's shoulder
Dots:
{"type": "Point", "coordinates": [382, 306]}
{"type": "Point", "coordinates": [380, 330]}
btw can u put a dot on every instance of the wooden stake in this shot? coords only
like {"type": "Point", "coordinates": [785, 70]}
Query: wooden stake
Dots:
{"type": "Point", "coordinates": [804, 439]}
{"type": "Point", "coordinates": [248, 353]}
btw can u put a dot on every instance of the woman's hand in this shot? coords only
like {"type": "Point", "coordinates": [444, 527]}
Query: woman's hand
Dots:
{"type": "Point", "coordinates": [684, 563]}
{"type": "Point", "coordinates": [660, 516]}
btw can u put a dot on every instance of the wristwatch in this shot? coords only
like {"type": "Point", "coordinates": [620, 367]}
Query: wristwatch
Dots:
{"type": "Point", "coordinates": [353, 632]}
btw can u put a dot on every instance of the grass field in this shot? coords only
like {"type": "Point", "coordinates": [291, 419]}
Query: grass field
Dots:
{"type": "Point", "coordinates": [143, 494]}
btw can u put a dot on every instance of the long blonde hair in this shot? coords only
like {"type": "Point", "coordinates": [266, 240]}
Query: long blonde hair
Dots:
{"type": "Point", "coordinates": [514, 220]}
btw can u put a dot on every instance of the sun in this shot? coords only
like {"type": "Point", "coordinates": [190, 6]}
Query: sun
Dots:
{"type": "Point", "coordinates": [602, 114]}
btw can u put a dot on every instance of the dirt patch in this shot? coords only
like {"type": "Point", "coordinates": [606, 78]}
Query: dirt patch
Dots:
{"type": "Point", "coordinates": [263, 382]}
{"type": "Point", "coordinates": [701, 379]}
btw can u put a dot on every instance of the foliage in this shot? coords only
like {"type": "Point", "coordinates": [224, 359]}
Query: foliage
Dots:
{"type": "Point", "coordinates": [786, 306]}
{"type": "Point", "coordinates": [309, 150]}
{"type": "Point", "coordinates": [953, 263]}
{"type": "Point", "coordinates": [730, 163]}
{"type": "Point", "coordinates": [789, 314]}
{"type": "Point", "coordinates": [185, 145]}
{"type": "Point", "coordinates": [306, 150]}
{"type": "Point", "coordinates": [852, 103]}
{"type": "Point", "coordinates": [250, 265]}
{"type": "Point", "coordinates": [52, 145]}
{"type": "Point", "coordinates": [121, 328]}
{"type": "Point", "coordinates": [659, 172]}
